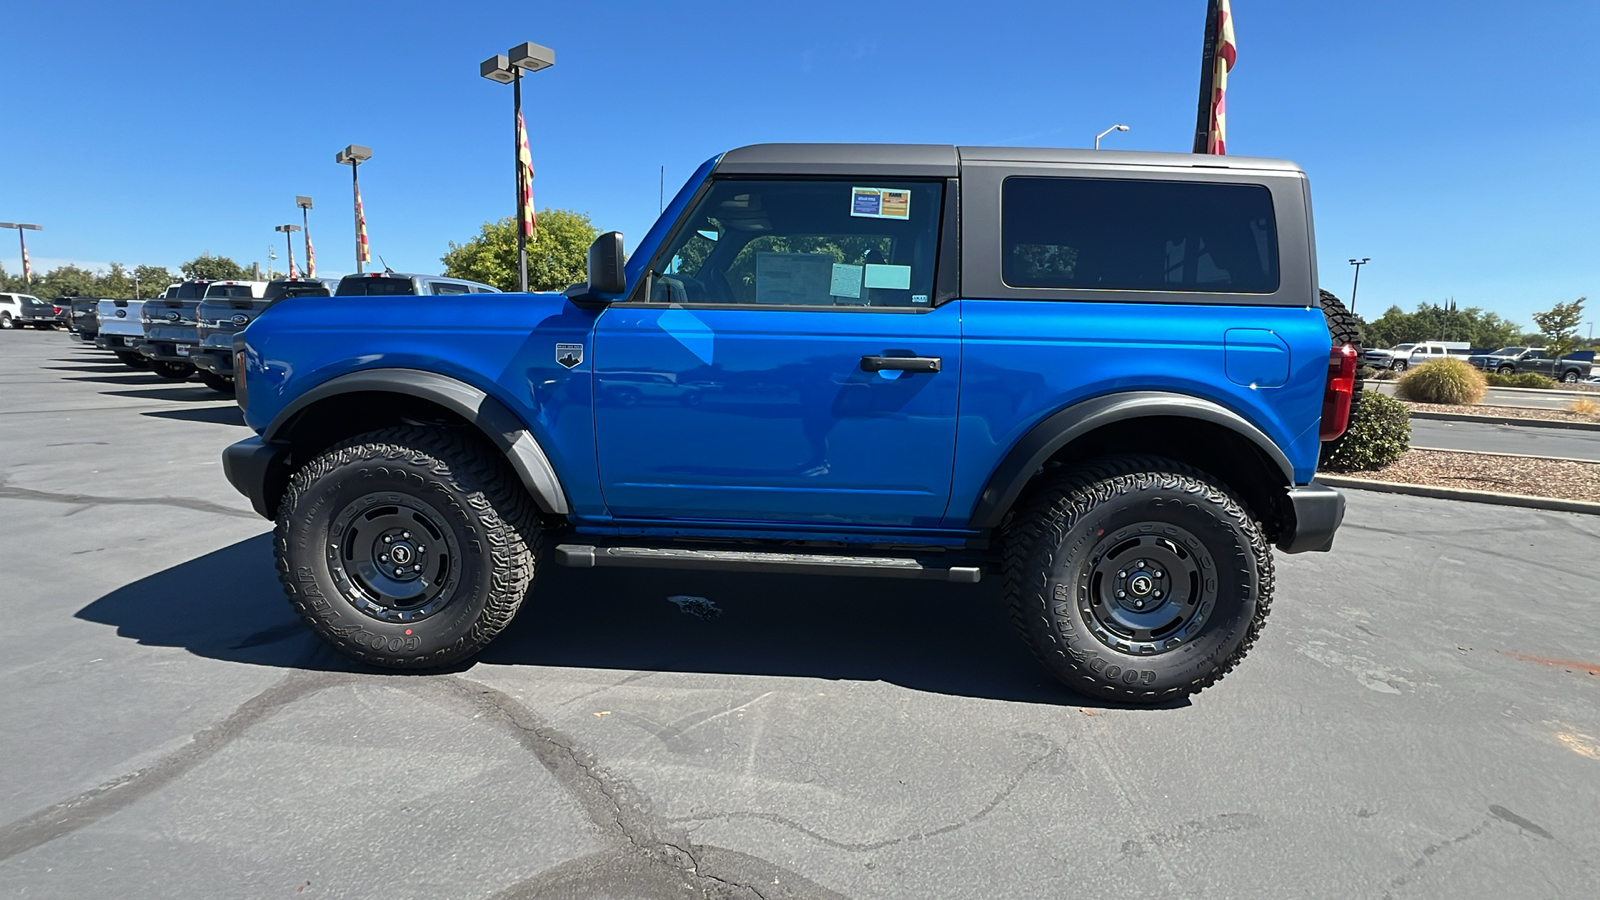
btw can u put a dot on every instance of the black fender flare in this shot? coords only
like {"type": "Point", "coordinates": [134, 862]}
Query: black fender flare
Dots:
{"type": "Point", "coordinates": [487, 414]}
{"type": "Point", "coordinates": [1038, 445]}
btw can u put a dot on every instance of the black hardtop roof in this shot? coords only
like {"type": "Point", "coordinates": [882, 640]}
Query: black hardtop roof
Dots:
{"type": "Point", "coordinates": [944, 160]}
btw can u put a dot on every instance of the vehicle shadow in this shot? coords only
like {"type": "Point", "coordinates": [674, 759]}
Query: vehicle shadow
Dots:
{"type": "Point", "coordinates": [176, 391]}
{"type": "Point", "coordinates": [215, 415]}
{"type": "Point", "coordinates": [122, 376]}
{"type": "Point", "coordinates": [926, 636]}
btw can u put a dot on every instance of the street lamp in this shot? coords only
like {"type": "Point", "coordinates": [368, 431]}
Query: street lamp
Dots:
{"type": "Point", "coordinates": [353, 156]}
{"type": "Point", "coordinates": [1358, 263]}
{"type": "Point", "coordinates": [508, 69]}
{"type": "Point", "coordinates": [288, 238]}
{"type": "Point", "coordinates": [27, 270]}
{"type": "Point", "coordinates": [305, 219]}
{"type": "Point", "coordinates": [1106, 132]}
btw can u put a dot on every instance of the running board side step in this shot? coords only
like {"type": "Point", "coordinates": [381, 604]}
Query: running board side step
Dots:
{"type": "Point", "coordinates": [586, 556]}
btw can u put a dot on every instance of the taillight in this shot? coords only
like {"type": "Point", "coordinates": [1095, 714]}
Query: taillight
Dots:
{"type": "Point", "coordinates": [240, 393]}
{"type": "Point", "coordinates": [1340, 392]}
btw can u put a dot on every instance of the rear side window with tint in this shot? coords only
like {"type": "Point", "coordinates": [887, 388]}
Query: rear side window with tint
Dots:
{"type": "Point", "coordinates": [1124, 235]}
{"type": "Point", "coordinates": [445, 287]}
{"type": "Point", "coordinates": [361, 286]}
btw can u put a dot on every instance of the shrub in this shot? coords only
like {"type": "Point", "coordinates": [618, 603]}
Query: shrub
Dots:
{"type": "Point", "coordinates": [1585, 407]}
{"type": "Point", "coordinates": [1448, 381]}
{"type": "Point", "coordinates": [1380, 431]}
{"type": "Point", "coordinates": [1367, 373]}
{"type": "Point", "coordinates": [1522, 380]}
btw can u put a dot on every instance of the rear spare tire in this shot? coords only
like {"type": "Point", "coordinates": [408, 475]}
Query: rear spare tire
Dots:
{"type": "Point", "coordinates": [409, 547]}
{"type": "Point", "coordinates": [1136, 579]}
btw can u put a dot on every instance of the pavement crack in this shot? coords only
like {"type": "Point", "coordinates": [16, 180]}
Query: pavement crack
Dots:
{"type": "Point", "coordinates": [97, 803]}
{"type": "Point", "coordinates": [12, 492]}
{"type": "Point", "coordinates": [994, 803]}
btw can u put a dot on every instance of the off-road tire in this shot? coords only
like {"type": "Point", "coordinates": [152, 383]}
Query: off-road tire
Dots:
{"type": "Point", "coordinates": [1051, 537]}
{"type": "Point", "coordinates": [222, 384]}
{"type": "Point", "coordinates": [172, 371]}
{"type": "Point", "coordinates": [464, 488]}
{"type": "Point", "coordinates": [1344, 328]}
{"type": "Point", "coordinates": [133, 359]}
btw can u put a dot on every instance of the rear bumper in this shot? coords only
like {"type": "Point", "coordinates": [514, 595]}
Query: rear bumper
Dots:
{"type": "Point", "coordinates": [219, 362]}
{"type": "Point", "coordinates": [258, 469]}
{"type": "Point", "coordinates": [1318, 512]}
{"type": "Point", "coordinates": [168, 351]}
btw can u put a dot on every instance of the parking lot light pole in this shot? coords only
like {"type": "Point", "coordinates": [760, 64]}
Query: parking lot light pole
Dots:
{"type": "Point", "coordinates": [288, 238]}
{"type": "Point", "coordinates": [507, 68]}
{"type": "Point", "coordinates": [27, 270]}
{"type": "Point", "coordinates": [353, 156]}
{"type": "Point", "coordinates": [1106, 132]}
{"type": "Point", "coordinates": [1358, 263]}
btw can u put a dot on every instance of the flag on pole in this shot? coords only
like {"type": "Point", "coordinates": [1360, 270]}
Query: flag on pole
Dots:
{"type": "Point", "coordinates": [363, 255]}
{"type": "Point", "coordinates": [293, 275]}
{"type": "Point", "coordinates": [311, 258]}
{"type": "Point", "coordinates": [530, 223]}
{"type": "Point", "coordinates": [27, 268]}
{"type": "Point", "coordinates": [1216, 62]}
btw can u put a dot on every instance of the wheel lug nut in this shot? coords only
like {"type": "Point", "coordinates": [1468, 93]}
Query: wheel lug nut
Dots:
{"type": "Point", "coordinates": [1122, 574]}
{"type": "Point", "coordinates": [1139, 604]}
{"type": "Point", "coordinates": [388, 539]}
{"type": "Point", "coordinates": [384, 558]}
{"type": "Point", "coordinates": [1158, 573]}
{"type": "Point", "coordinates": [1139, 564]}
{"type": "Point", "coordinates": [1121, 594]}
{"type": "Point", "coordinates": [1158, 593]}
{"type": "Point", "coordinates": [422, 548]}
{"type": "Point", "coordinates": [399, 571]}
{"type": "Point", "coordinates": [405, 534]}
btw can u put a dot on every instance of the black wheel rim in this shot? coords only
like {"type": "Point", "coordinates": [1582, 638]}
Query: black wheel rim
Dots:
{"type": "Point", "coordinates": [393, 558]}
{"type": "Point", "coordinates": [1147, 588]}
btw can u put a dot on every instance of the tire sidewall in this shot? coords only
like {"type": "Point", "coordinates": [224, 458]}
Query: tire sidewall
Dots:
{"type": "Point", "coordinates": [1102, 670]}
{"type": "Point", "coordinates": [305, 535]}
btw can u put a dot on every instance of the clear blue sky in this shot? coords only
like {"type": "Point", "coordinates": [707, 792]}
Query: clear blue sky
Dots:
{"type": "Point", "coordinates": [1454, 143]}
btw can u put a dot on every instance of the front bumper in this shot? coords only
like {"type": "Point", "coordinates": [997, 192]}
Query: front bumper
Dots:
{"type": "Point", "coordinates": [259, 470]}
{"type": "Point", "coordinates": [1317, 511]}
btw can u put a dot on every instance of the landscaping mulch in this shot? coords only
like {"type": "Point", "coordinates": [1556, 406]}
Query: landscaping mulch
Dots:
{"type": "Point", "coordinates": [1501, 412]}
{"type": "Point", "coordinates": [1529, 476]}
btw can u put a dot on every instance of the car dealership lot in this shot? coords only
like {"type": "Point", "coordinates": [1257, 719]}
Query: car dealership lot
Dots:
{"type": "Point", "coordinates": [1421, 716]}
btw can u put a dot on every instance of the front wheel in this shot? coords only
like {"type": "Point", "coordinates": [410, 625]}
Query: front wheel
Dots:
{"type": "Point", "coordinates": [1505, 370]}
{"type": "Point", "coordinates": [409, 547]}
{"type": "Point", "coordinates": [1137, 579]}
{"type": "Point", "coordinates": [1400, 365]}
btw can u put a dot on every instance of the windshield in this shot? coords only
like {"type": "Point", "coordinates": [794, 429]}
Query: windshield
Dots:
{"type": "Point", "coordinates": [366, 286]}
{"type": "Point", "coordinates": [1399, 347]}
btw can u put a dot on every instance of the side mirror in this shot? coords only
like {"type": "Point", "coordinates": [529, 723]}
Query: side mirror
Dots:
{"type": "Point", "coordinates": [606, 272]}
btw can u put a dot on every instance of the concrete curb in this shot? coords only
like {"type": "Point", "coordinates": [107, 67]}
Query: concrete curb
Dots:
{"type": "Point", "coordinates": [1508, 420]}
{"type": "Point", "coordinates": [1545, 392]}
{"type": "Point", "coordinates": [1439, 493]}
{"type": "Point", "coordinates": [1572, 459]}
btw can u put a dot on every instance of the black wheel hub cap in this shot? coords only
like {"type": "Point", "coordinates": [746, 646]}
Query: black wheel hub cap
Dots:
{"type": "Point", "coordinates": [1147, 588]}
{"type": "Point", "coordinates": [392, 558]}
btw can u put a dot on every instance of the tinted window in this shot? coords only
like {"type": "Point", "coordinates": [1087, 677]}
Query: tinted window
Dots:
{"type": "Point", "coordinates": [1119, 235]}
{"type": "Point", "coordinates": [363, 286]}
{"type": "Point", "coordinates": [229, 291]}
{"type": "Point", "coordinates": [860, 242]}
{"type": "Point", "coordinates": [281, 289]}
{"type": "Point", "coordinates": [445, 287]}
{"type": "Point", "coordinates": [189, 290]}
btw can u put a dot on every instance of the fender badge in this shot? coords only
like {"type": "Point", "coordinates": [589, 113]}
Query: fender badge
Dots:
{"type": "Point", "coordinates": [569, 355]}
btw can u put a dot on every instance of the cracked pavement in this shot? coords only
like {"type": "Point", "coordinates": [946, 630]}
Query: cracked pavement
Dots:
{"type": "Point", "coordinates": [1420, 718]}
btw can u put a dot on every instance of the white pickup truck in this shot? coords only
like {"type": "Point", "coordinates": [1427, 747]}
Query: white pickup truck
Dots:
{"type": "Point", "coordinates": [1402, 356]}
{"type": "Point", "coordinates": [121, 331]}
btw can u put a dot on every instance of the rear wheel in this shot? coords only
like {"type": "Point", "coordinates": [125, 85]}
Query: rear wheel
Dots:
{"type": "Point", "coordinates": [1570, 376]}
{"type": "Point", "coordinates": [408, 547]}
{"type": "Point", "coordinates": [1136, 579]}
{"type": "Point", "coordinates": [133, 360]}
{"type": "Point", "coordinates": [5, 321]}
{"type": "Point", "coordinates": [222, 384]}
{"type": "Point", "coordinates": [172, 371]}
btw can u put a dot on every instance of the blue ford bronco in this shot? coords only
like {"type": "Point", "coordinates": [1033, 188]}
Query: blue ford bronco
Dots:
{"type": "Point", "coordinates": [1103, 377]}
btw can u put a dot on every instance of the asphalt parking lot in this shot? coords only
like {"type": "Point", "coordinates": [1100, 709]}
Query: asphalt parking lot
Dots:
{"type": "Point", "coordinates": [1420, 719]}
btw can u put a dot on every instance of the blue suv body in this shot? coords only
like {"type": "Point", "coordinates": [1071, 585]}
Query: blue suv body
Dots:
{"type": "Point", "coordinates": [1104, 375]}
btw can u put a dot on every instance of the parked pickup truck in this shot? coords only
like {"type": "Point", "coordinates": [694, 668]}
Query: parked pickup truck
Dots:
{"type": "Point", "coordinates": [1571, 369]}
{"type": "Point", "coordinates": [226, 310]}
{"type": "Point", "coordinates": [121, 331]}
{"type": "Point", "coordinates": [169, 329]}
{"type": "Point", "coordinates": [83, 320]}
{"type": "Point", "coordinates": [939, 338]}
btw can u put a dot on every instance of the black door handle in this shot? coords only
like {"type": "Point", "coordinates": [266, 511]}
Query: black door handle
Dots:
{"type": "Point", "coordinates": [901, 363]}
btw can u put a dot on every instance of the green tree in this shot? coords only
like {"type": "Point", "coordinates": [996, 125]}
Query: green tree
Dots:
{"type": "Point", "coordinates": [557, 257]}
{"type": "Point", "coordinates": [153, 280]}
{"type": "Point", "coordinates": [1559, 326]}
{"type": "Point", "coordinates": [1441, 322]}
{"type": "Point", "coordinates": [66, 281]}
{"type": "Point", "coordinates": [220, 268]}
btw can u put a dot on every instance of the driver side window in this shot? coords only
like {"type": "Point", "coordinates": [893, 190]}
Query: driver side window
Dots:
{"type": "Point", "coordinates": [805, 244]}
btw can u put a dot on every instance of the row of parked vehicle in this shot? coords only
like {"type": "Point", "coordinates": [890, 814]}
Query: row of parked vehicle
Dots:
{"type": "Point", "coordinates": [1571, 368]}
{"type": "Point", "coordinates": [188, 330]}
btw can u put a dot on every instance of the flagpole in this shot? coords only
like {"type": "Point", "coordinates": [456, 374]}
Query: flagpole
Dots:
{"type": "Point", "coordinates": [516, 158]}
{"type": "Point", "coordinates": [1208, 64]}
{"type": "Point", "coordinates": [355, 190]}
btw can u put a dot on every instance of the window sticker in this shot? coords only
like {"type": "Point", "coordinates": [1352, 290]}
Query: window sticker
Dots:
{"type": "Point", "coordinates": [880, 203]}
{"type": "Point", "coordinates": [846, 281]}
{"type": "Point", "coordinates": [793, 278]}
{"type": "Point", "coordinates": [892, 277]}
